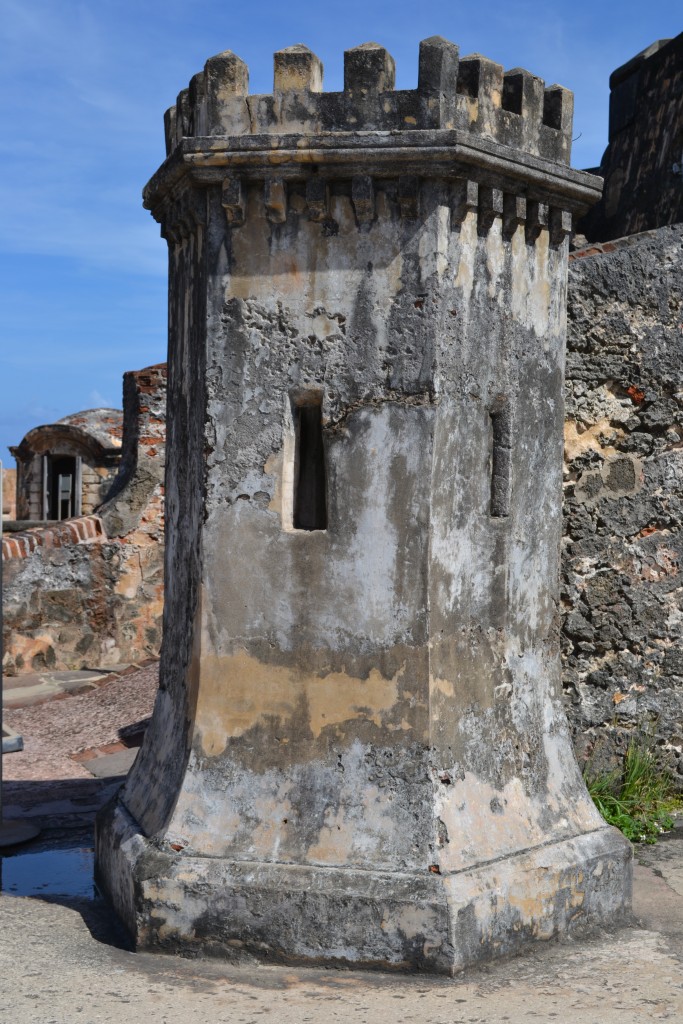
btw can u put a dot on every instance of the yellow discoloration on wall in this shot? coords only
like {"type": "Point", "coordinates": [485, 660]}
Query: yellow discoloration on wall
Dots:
{"type": "Point", "coordinates": [495, 260]}
{"type": "Point", "coordinates": [592, 439]}
{"type": "Point", "coordinates": [403, 725]}
{"type": "Point", "coordinates": [528, 886]}
{"type": "Point", "coordinates": [292, 78]}
{"type": "Point", "coordinates": [515, 827]}
{"type": "Point", "coordinates": [239, 692]}
{"type": "Point", "coordinates": [531, 292]}
{"type": "Point", "coordinates": [536, 901]}
{"type": "Point", "coordinates": [442, 686]}
{"type": "Point", "coordinates": [531, 907]}
{"type": "Point", "coordinates": [577, 897]}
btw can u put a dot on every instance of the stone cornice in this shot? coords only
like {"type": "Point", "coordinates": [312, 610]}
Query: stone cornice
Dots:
{"type": "Point", "coordinates": [446, 154]}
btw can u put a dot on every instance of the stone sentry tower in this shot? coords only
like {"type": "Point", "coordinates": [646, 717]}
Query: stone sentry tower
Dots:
{"type": "Point", "coordinates": [358, 752]}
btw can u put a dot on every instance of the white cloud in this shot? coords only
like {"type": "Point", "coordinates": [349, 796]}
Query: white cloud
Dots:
{"type": "Point", "coordinates": [98, 401]}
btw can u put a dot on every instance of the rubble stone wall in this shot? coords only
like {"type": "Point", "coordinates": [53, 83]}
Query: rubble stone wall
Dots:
{"type": "Point", "coordinates": [623, 539]}
{"type": "Point", "coordinates": [89, 591]}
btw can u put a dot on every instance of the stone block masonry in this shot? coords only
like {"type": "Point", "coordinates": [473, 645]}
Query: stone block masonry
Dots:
{"type": "Point", "coordinates": [643, 163]}
{"type": "Point", "coordinates": [358, 752]}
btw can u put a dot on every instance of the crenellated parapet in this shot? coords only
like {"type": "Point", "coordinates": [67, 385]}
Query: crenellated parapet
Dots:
{"type": "Point", "coordinates": [471, 93]}
{"type": "Point", "coordinates": [503, 132]}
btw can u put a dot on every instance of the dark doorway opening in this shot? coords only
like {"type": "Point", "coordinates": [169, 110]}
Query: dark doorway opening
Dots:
{"type": "Point", "coordinates": [62, 498]}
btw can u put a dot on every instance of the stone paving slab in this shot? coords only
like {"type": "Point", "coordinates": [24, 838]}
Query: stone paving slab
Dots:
{"type": "Point", "coordinates": [36, 687]}
{"type": "Point", "coordinates": [61, 733]}
{"type": "Point", "coordinates": [11, 740]}
{"type": "Point", "coordinates": [111, 766]}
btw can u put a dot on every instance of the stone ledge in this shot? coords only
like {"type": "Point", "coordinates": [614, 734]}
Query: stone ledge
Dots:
{"type": "Point", "coordinates": [449, 154]}
{"type": "Point", "coordinates": [614, 244]}
{"type": "Point", "coordinates": [82, 530]}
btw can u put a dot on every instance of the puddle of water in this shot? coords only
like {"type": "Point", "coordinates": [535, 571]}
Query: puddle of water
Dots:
{"type": "Point", "coordinates": [58, 872]}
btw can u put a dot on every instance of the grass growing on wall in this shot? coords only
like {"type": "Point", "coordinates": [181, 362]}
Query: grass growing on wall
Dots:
{"type": "Point", "coordinates": [639, 799]}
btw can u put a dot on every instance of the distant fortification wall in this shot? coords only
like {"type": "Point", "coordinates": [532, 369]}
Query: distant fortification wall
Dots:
{"type": "Point", "coordinates": [89, 591]}
{"type": "Point", "coordinates": [643, 163]}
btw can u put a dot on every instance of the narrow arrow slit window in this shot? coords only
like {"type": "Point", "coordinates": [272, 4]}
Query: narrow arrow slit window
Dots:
{"type": "Point", "coordinates": [501, 459]}
{"type": "Point", "coordinates": [310, 485]}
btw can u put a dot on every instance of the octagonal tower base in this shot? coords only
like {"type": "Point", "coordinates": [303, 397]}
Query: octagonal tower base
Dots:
{"type": "Point", "coordinates": [358, 752]}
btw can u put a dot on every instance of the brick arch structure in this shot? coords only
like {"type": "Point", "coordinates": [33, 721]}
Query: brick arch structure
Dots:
{"type": "Point", "coordinates": [86, 446]}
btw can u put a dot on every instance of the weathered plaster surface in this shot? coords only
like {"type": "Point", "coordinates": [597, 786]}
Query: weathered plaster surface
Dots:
{"type": "Point", "coordinates": [356, 720]}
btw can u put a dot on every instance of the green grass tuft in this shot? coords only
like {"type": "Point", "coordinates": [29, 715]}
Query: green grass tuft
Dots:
{"type": "Point", "coordinates": [639, 799]}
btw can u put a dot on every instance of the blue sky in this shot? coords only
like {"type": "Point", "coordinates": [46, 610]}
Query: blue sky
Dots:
{"type": "Point", "coordinates": [85, 85]}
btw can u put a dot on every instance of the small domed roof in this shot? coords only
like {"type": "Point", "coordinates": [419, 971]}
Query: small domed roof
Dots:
{"type": "Point", "coordinates": [105, 425]}
{"type": "Point", "coordinates": [95, 431]}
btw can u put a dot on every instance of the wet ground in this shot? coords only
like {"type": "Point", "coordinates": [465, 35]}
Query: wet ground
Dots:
{"type": "Point", "coordinates": [51, 865]}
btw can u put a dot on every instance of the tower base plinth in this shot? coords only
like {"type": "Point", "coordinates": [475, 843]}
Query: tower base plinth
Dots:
{"type": "Point", "coordinates": [173, 902]}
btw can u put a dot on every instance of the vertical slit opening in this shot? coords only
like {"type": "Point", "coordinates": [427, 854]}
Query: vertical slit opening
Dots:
{"type": "Point", "coordinates": [310, 485]}
{"type": "Point", "coordinates": [501, 460]}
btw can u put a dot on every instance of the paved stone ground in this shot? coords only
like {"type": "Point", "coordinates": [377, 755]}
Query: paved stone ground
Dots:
{"type": "Point", "coordinates": [61, 734]}
{"type": "Point", "coordinates": [65, 961]}
{"type": "Point", "coordinates": [36, 687]}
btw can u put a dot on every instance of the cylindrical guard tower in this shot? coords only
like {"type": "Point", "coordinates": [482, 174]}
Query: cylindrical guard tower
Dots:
{"type": "Point", "coordinates": [358, 752]}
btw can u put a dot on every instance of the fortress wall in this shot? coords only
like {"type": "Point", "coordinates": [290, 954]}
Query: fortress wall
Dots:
{"type": "Point", "coordinates": [623, 539]}
{"type": "Point", "coordinates": [88, 591]}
